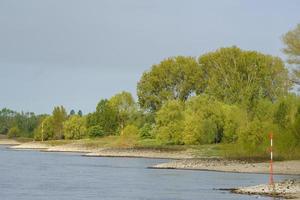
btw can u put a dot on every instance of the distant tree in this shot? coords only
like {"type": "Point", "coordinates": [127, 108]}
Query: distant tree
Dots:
{"type": "Point", "coordinates": [125, 106]}
{"type": "Point", "coordinates": [59, 115]}
{"type": "Point", "coordinates": [292, 49]}
{"type": "Point", "coordinates": [45, 130]}
{"type": "Point", "coordinates": [13, 132]}
{"type": "Point", "coordinates": [80, 113]}
{"type": "Point", "coordinates": [105, 117]}
{"type": "Point", "coordinates": [74, 127]}
{"type": "Point", "coordinates": [95, 131]}
{"type": "Point", "coordinates": [72, 112]}
{"type": "Point", "coordinates": [6, 120]}
{"type": "Point", "coordinates": [175, 78]}
{"type": "Point", "coordinates": [130, 136]}
{"type": "Point", "coordinates": [236, 76]}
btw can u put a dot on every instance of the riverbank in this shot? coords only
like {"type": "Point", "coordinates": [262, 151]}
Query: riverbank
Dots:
{"type": "Point", "coordinates": [289, 189]}
{"type": "Point", "coordinates": [187, 159]}
{"type": "Point", "coordinates": [222, 165]}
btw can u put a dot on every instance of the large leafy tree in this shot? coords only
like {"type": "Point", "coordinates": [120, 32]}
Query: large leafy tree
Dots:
{"type": "Point", "coordinates": [292, 49]}
{"type": "Point", "coordinates": [175, 78]}
{"type": "Point", "coordinates": [236, 76]}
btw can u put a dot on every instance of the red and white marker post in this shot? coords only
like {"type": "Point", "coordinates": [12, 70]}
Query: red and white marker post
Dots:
{"type": "Point", "coordinates": [271, 181]}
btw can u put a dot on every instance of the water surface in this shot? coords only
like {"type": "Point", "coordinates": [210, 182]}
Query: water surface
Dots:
{"type": "Point", "coordinates": [33, 175]}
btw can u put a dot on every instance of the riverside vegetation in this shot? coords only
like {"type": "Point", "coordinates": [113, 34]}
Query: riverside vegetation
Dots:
{"type": "Point", "coordinates": [228, 100]}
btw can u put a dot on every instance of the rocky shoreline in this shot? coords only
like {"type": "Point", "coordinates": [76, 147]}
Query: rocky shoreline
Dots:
{"type": "Point", "coordinates": [222, 165]}
{"type": "Point", "coordinates": [289, 189]}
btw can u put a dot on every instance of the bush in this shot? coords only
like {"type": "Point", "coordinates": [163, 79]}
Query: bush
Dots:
{"type": "Point", "coordinates": [13, 132]}
{"type": "Point", "coordinates": [169, 123]}
{"type": "Point", "coordinates": [146, 131]}
{"type": "Point", "coordinates": [74, 127]}
{"type": "Point", "coordinates": [130, 136]}
{"type": "Point", "coordinates": [95, 131]}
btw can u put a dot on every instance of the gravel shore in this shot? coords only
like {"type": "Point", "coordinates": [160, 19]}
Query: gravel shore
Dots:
{"type": "Point", "coordinates": [283, 167]}
{"type": "Point", "coordinates": [289, 189]}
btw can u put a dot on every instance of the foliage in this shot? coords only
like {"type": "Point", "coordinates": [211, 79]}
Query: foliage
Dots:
{"type": "Point", "coordinates": [175, 78]}
{"type": "Point", "coordinates": [146, 131]}
{"type": "Point", "coordinates": [75, 128]}
{"type": "Point", "coordinates": [59, 115]}
{"type": "Point", "coordinates": [169, 122]}
{"type": "Point", "coordinates": [130, 136]}
{"type": "Point", "coordinates": [45, 130]}
{"type": "Point", "coordinates": [292, 41]}
{"type": "Point", "coordinates": [236, 76]}
{"type": "Point", "coordinates": [95, 131]}
{"type": "Point", "coordinates": [125, 107]}
{"type": "Point", "coordinates": [105, 117]}
{"type": "Point", "coordinates": [13, 132]}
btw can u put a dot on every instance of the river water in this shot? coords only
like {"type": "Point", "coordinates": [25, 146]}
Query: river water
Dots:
{"type": "Point", "coordinates": [34, 175]}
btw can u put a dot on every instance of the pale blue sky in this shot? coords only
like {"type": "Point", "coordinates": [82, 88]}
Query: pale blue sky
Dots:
{"type": "Point", "coordinates": [75, 52]}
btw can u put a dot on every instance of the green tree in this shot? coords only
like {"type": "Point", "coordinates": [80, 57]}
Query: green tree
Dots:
{"type": "Point", "coordinates": [80, 113]}
{"type": "Point", "coordinates": [175, 78]}
{"type": "Point", "coordinates": [130, 136]}
{"type": "Point", "coordinates": [75, 127]}
{"type": "Point", "coordinates": [14, 132]}
{"type": "Point", "coordinates": [292, 49]}
{"type": "Point", "coordinates": [236, 76]}
{"type": "Point", "coordinates": [45, 130]}
{"type": "Point", "coordinates": [6, 120]}
{"type": "Point", "coordinates": [59, 115]}
{"type": "Point", "coordinates": [72, 112]}
{"type": "Point", "coordinates": [204, 121]}
{"type": "Point", "coordinates": [95, 131]}
{"type": "Point", "coordinates": [169, 122]}
{"type": "Point", "coordinates": [105, 117]}
{"type": "Point", "coordinates": [125, 106]}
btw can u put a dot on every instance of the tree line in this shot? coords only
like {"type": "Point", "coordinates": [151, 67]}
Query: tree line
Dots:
{"type": "Point", "coordinates": [229, 96]}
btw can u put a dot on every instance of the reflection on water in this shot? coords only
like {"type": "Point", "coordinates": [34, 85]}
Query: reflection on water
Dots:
{"type": "Point", "coordinates": [32, 175]}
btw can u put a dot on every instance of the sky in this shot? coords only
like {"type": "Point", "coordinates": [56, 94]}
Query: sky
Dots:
{"type": "Point", "coordinates": [76, 52]}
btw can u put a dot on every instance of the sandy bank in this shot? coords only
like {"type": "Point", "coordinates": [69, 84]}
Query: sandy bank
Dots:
{"type": "Point", "coordinates": [285, 189]}
{"type": "Point", "coordinates": [284, 167]}
{"type": "Point", "coordinates": [141, 153]}
{"type": "Point", "coordinates": [9, 142]}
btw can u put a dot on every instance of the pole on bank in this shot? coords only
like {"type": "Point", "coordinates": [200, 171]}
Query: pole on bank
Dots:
{"type": "Point", "coordinates": [271, 181]}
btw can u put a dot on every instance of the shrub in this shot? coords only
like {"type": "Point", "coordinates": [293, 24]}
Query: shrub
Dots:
{"type": "Point", "coordinates": [130, 136]}
{"type": "Point", "coordinates": [95, 131]}
{"type": "Point", "coordinates": [13, 132]}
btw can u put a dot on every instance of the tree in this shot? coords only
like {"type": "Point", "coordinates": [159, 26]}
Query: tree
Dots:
{"type": "Point", "coordinates": [130, 136]}
{"type": "Point", "coordinates": [236, 76]}
{"type": "Point", "coordinates": [125, 106]}
{"type": "Point", "coordinates": [80, 113]}
{"type": "Point", "coordinates": [74, 127]}
{"type": "Point", "coordinates": [105, 117]}
{"type": "Point", "coordinates": [45, 130]}
{"type": "Point", "coordinates": [169, 122]}
{"type": "Point", "coordinates": [59, 116]}
{"type": "Point", "coordinates": [95, 131]}
{"type": "Point", "coordinates": [292, 49]}
{"type": "Point", "coordinates": [72, 112]}
{"type": "Point", "coordinates": [13, 132]}
{"type": "Point", "coordinates": [6, 120]}
{"type": "Point", "coordinates": [175, 78]}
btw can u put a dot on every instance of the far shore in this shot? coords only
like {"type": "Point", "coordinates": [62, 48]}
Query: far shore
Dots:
{"type": "Point", "coordinates": [180, 159]}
